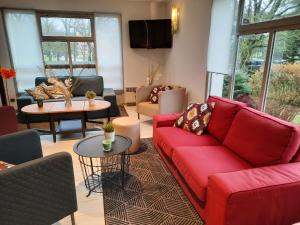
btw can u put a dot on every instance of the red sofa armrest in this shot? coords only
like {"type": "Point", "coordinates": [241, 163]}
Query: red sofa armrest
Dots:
{"type": "Point", "coordinates": [264, 196]}
{"type": "Point", "coordinates": [163, 120]}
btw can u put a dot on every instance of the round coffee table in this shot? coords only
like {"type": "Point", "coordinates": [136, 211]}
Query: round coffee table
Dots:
{"type": "Point", "coordinates": [99, 166]}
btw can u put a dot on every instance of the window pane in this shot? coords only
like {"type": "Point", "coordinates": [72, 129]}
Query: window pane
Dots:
{"type": "Point", "coordinates": [83, 52]}
{"type": "Point", "coordinates": [259, 11]}
{"type": "Point", "coordinates": [249, 68]}
{"type": "Point", "coordinates": [25, 46]}
{"type": "Point", "coordinates": [109, 49]}
{"type": "Point", "coordinates": [55, 53]}
{"type": "Point", "coordinates": [84, 72]}
{"type": "Point", "coordinates": [219, 84]}
{"type": "Point", "coordinates": [57, 26]}
{"type": "Point", "coordinates": [58, 72]}
{"type": "Point", "coordinates": [283, 97]}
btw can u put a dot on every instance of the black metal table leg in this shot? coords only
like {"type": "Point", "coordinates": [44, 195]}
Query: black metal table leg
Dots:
{"type": "Point", "coordinates": [27, 121]}
{"type": "Point", "coordinates": [123, 168]}
{"type": "Point", "coordinates": [108, 114]}
{"type": "Point", "coordinates": [52, 128]}
{"type": "Point", "coordinates": [83, 124]}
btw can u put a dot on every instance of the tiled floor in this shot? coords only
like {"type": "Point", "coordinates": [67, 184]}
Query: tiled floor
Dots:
{"type": "Point", "coordinates": [90, 209]}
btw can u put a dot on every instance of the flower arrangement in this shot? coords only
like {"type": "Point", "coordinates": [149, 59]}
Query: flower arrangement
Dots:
{"type": "Point", "coordinates": [90, 95]}
{"type": "Point", "coordinates": [6, 74]}
{"type": "Point", "coordinates": [153, 74]}
{"type": "Point", "coordinates": [108, 127]}
{"type": "Point", "coordinates": [109, 131]}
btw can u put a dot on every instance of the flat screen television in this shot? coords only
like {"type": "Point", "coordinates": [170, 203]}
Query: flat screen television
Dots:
{"type": "Point", "coordinates": [150, 33]}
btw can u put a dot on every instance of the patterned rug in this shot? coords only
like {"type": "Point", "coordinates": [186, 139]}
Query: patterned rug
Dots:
{"type": "Point", "coordinates": [151, 195]}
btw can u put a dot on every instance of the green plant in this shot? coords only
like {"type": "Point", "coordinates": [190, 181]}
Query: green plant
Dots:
{"type": "Point", "coordinates": [90, 94]}
{"type": "Point", "coordinates": [108, 127]}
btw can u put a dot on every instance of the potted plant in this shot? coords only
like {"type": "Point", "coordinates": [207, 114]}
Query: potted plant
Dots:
{"type": "Point", "coordinates": [109, 131]}
{"type": "Point", "coordinates": [91, 95]}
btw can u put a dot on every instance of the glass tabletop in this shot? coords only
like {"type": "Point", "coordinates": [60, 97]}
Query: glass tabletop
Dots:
{"type": "Point", "coordinates": [92, 146]}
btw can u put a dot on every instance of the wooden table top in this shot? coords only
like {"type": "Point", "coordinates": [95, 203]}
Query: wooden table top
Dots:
{"type": "Point", "coordinates": [59, 107]}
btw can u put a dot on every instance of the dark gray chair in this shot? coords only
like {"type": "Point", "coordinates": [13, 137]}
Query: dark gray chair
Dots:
{"type": "Point", "coordinates": [38, 190]}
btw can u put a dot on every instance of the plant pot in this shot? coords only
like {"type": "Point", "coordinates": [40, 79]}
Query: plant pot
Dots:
{"type": "Point", "coordinates": [109, 136]}
{"type": "Point", "coordinates": [91, 101]}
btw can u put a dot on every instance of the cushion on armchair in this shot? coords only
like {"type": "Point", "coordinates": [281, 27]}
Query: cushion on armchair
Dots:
{"type": "Point", "coordinates": [155, 93]}
{"type": "Point", "coordinates": [84, 84]}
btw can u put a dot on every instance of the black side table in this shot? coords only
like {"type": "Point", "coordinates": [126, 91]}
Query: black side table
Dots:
{"type": "Point", "coordinates": [98, 166]}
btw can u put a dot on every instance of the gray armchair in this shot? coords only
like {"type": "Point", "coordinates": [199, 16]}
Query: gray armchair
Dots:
{"type": "Point", "coordinates": [39, 191]}
{"type": "Point", "coordinates": [170, 101]}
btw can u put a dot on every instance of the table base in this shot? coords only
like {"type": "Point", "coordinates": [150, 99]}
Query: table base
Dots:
{"type": "Point", "coordinates": [100, 172]}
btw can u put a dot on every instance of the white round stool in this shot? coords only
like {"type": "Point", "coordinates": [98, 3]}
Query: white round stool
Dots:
{"type": "Point", "coordinates": [128, 127]}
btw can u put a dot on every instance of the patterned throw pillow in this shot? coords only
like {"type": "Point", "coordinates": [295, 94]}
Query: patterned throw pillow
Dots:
{"type": "Point", "coordinates": [38, 92]}
{"type": "Point", "coordinates": [52, 91]}
{"type": "Point", "coordinates": [195, 118]}
{"type": "Point", "coordinates": [155, 93]}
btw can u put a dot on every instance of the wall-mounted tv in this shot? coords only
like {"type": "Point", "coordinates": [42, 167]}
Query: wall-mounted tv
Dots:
{"type": "Point", "coordinates": [150, 33]}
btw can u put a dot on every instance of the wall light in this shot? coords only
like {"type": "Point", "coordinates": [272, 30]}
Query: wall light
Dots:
{"type": "Point", "coordinates": [175, 19]}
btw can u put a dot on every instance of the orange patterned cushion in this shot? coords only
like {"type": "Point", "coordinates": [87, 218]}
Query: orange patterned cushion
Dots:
{"type": "Point", "coordinates": [195, 118]}
{"type": "Point", "coordinates": [5, 165]}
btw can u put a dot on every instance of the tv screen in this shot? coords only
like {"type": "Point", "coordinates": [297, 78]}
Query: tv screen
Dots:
{"type": "Point", "coordinates": [150, 33]}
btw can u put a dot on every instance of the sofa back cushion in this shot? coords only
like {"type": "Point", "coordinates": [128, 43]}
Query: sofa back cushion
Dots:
{"type": "Point", "coordinates": [261, 139]}
{"type": "Point", "coordinates": [222, 116]}
{"type": "Point", "coordinates": [94, 83]}
{"type": "Point", "coordinates": [89, 83]}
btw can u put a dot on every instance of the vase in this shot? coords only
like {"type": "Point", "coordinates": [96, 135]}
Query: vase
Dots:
{"type": "Point", "coordinates": [68, 101]}
{"type": "Point", "coordinates": [40, 103]}
{"type": "Point", "coordinates": [109, 136]}
{"type": "Point", "coordinates": [91, 102]}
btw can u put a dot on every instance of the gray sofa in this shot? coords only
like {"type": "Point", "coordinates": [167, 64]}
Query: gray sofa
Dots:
{"type": "Point", "coordinates": [94, 83]}
{"type": "Point", "coordinates": [38, 190]}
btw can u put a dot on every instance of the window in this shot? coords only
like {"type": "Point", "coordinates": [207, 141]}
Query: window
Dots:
{"type": "Point", "coordinates": [109, 49]}
{"type": "Point", "coordinates": [25, 48]}
{"type": "Point", "coordinates": [266, 74]}
{"type": "Point", "coordinates": [68, 44]}
{"type": "Point", "coordinates": [266, 10]}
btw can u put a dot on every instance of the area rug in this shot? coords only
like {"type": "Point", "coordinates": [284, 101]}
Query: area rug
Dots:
{"type": "Point", "coordinates": [151, 195]}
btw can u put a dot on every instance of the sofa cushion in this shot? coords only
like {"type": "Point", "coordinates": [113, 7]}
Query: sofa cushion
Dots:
{"type": "Point", "coordinates": [148, 109]}
{"type": "Point", "coordinates": [195, 117]}
{"type": "Point", "coordinates": [196, 164]}
{"type": "Point", "coordinates": [154, 95]}
{"type": "Point", "coordinates": [262, 139]}
{"type": "Point", "coordinates": [170, 137]}
{"type": "Point", "coordinates": [222, 116]}
{"type": "Point", "coordinates": [88, 83]}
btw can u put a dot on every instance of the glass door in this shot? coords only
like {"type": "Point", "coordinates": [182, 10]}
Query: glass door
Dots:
{"type": "Point", "coordinates": [283, 93]}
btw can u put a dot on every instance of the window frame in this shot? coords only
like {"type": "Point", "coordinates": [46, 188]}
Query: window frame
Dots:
{"type": "Point", "coordinates": [271, 27]}
{"type": "Point", "coordinates": [68, 39]}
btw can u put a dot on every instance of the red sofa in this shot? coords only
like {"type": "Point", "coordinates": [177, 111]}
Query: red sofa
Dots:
{"type": "Point", "coordinates": [245, 170]}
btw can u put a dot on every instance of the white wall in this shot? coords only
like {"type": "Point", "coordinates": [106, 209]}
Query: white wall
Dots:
{"type": "Point", "coordinates": [187, 61]}
{"type": "Point", "coordinates": [135, 60]}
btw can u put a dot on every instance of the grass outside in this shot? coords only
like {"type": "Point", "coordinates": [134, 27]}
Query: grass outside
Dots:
{"type": "Point", "coordinates": [296, 120]}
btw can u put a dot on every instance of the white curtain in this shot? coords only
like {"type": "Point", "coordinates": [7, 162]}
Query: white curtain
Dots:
{"type": "Point", "coordinates": [222, 36]}
{"type": "Point", "coordinates": [109, 50]}
{"type": "Point", "coordinates": [25, 46]}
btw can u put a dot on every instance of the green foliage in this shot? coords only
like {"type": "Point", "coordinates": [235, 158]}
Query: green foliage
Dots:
{"type": "Point", "coordinates": [241, 85]}
{"type": "Point", "coordinates": [90, 94]}
{"type": "Point", "coordinates": [108, 127]}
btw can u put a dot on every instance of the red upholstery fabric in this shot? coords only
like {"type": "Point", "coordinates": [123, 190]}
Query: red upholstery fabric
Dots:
{"type": "Point", "coordinates": [163, 120]}
{"type": "Point", "coordinates": [8, 120]}
{"type": "Point", "coordinates": [262, 139]}
{"type": "Point", "coordinates": [264, 196]}
{"type": "Point", "coordinates": [169, 138]}
{"type": "Point", "coordinates": [196, 164]}
{"type": "Point", "coordinates": [222, 116]}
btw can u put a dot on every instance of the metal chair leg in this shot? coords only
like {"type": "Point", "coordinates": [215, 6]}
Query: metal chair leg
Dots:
{"type": "Point", "coordinates": [138, 116]}
{"type": "Point", "coordinates": [73, 219]}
